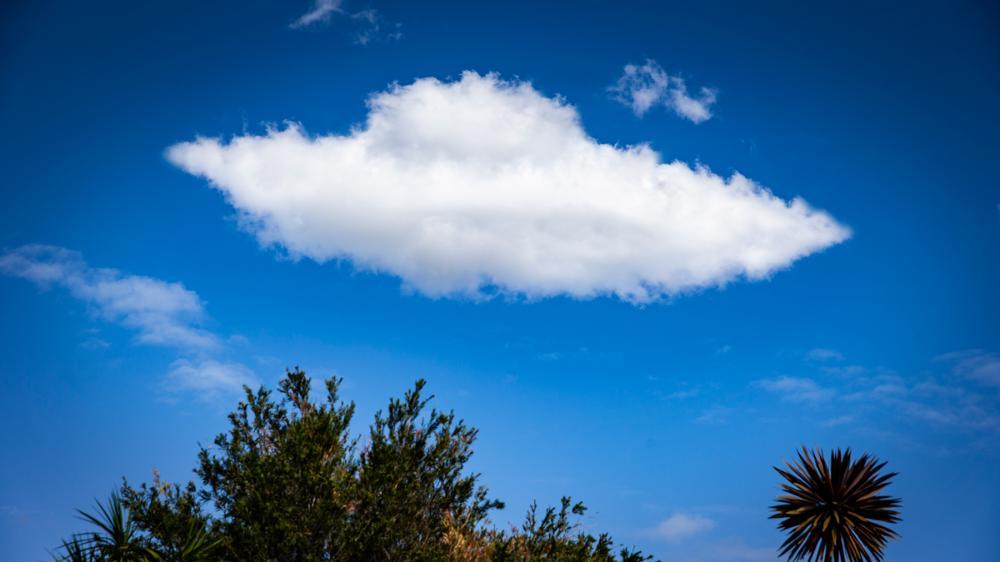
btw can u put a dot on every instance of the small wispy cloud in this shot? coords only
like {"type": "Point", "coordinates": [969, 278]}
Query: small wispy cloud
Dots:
{"type": "Point", "coordinates": [961, 397]}
{"type": "Point", "coordinates": [975, 364]}
{"type": "Point", "coordinates": [948, 405]}
{"type": "Point", "coordinates": [680, 526]}
{"type": "Point", "coordinates": [373, 27]}
{"type": "Point", "coordinates": [796, 389]}
{"type": "Point", "coordinates": [642, 87]}
{"type": "Point", "coordinates": [369, 24]}
{"type": "Point", "coordinates": [161, 313]}
{"type": "Point", "coordinates": [321, 11]}
{"type": "Point", "coordinates": [208, 377]}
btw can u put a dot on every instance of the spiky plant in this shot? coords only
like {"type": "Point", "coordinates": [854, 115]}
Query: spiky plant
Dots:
{"type": "Point", "coordinates": [74, 550]}
{"type": "Point", "coordinates": [833, 511]}
{"type": "Point", "coordinates": [116, 538]}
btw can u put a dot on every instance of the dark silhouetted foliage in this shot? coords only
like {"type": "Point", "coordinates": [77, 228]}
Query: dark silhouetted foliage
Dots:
{"type": "Point", "coordinates": [833, 511]}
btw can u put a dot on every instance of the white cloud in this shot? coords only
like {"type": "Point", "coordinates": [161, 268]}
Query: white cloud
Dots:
{"type": "Point", "coordinates": [481, 186]}
{"type": "Point", "coordinates": [321, 11]}
{"type": "Point", "coordinates": [642, 87]}
{"type": "Point", "coordinates": [680, 526]}
{"type": "Point", "coordinates": [162, 313]}
{"type": "Point", "coordinates": [209, 377]}
{"type": "Point", "coordinates": [373, 27]}
{"type": "Point", "coordinates": [796, 389]}
{"type": "Point", "coordinates": [369, 24]}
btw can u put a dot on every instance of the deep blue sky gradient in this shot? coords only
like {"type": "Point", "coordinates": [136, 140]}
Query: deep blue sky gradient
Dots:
{"type": "Point", "coordinates": [886, 117]}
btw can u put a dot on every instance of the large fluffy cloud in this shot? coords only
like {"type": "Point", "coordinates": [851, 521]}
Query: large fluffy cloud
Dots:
{"type": "Point", "coordinates": [479, 186]}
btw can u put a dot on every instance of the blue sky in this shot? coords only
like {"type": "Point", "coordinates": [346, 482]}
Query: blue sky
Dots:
{"type": "Point", "coordinates": [544, 217]}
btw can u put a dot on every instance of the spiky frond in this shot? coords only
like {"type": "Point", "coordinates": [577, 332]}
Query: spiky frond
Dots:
{"type": "Point", "coordinates": [117, 538]}
{"type": "Point", "coordinates": [832, 510]}
{"type": "Point", "coordinates": [74, 550]}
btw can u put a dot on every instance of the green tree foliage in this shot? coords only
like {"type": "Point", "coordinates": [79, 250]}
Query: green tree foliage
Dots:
{"type": "Point", "coordinates": [282, 479]}
{"type": "Point", "coordinates": [175, 528]}
{"type": "Point", "coordinates": [410, 482]}
{"type": "Point", "coordinates": [287, 482]}
{"type": "Point", "coordinates": [556, 537]}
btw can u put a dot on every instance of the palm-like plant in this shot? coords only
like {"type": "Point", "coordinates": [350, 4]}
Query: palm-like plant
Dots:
{"type": "Point", "coordinates": [74, 550]}
{"type": "Point", "coordinates": [833, 511]}
{"type": "Point", "coordinates": [116, 538]}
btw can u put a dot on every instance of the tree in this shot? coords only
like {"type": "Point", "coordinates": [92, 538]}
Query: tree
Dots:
{"type": "Point", "coordinates": [282, 478]}
{"type": "Point", "coordinates": [556, 537]}
{"type": "Point", "coordinates": [410, 482]}
{"type": "Point", "coordinates": [172, 520]}
{"type": "Point", "coordinates": [287, 482]}
{"type": "Point", "coordinates": [833, 511]}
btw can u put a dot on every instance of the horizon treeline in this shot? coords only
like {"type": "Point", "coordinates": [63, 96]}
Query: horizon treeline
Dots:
{"type": "Point", "coordinates": [288, 482]}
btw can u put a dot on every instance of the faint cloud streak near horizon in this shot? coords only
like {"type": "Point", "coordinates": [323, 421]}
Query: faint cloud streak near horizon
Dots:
{"type": "Point", "coordinates": [961, 398]}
